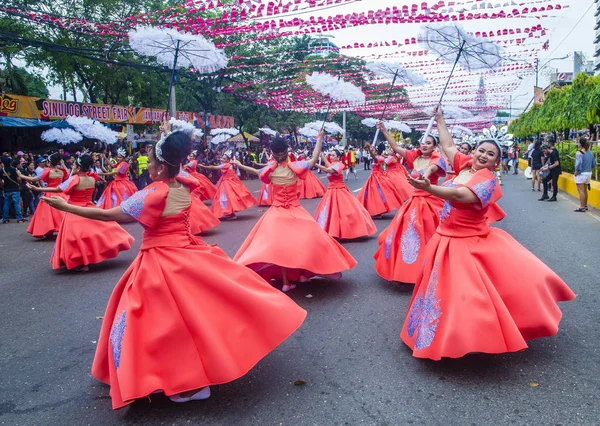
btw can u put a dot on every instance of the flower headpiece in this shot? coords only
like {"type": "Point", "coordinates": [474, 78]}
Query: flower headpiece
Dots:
{"type": "Point", "coordinates": [158, 149]}
{"type": "Point", "coordinates": [500, 137]}
{"type": "Point", "coordinates": [122, 152]}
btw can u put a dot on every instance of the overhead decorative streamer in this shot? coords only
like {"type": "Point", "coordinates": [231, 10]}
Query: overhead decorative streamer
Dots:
{"type": "Point", "coordinates": [452, 44]}
{"type": "Point", "coordinates": [177, 50]}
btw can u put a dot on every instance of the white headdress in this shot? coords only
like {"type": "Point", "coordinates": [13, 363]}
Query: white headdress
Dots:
{"type": "Point", "coordinates": [500, 137]}
{"type": "Point", "coordinates": [158, 148]}
{"type": "Point", "coordinates": [122, 152]}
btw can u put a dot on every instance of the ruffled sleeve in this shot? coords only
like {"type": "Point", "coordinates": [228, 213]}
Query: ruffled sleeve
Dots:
{"type": "Point", "coordinates": [224, 167]}
{"type": "Point", "coordinates": [461, 161]}
{"type": "Point", "coordinates": [391, 160]}
{"type": "Point", "coordinates": [485, 185]}
{"type": "Point", "coordinates": [188, 180]}
{"type": "Point", "coordinates": [410, 157]}
{"type": "Point", "coordinates": [440, 162]}
{"type": "Point", "coordinates": [265, 173]}
{"type": "Point", "coordinates": [300, 168]}
{"type": "Point", "coordinates": [147, 205]}
{"type": "Point", "coordinates": [191, 166]}
{"type": "Point", "coordinates": [70, 184]}
{"type": "Point", "coordinates": [122, 168]}
{"type": "Point", "coordinates": [338, 167]}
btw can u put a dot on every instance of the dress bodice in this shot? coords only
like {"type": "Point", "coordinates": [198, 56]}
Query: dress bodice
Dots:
{"type": "Point", "coordinates": [465, 220]}
{"type": "Point", "coordinates": [122, 169]}
{"type": "Point", "coordinates": [53, 176]}
{"type": "Point", "coordinates": [170, 231]}
{"type": "Point", "coordinates": [81, 197]}
{"type": "Point", "coordinates": [377, 164]}
{"type": "Point", "coordinates": [285, 196]}
{"type": "Point", "coordinates": [80, 188]}
{"type": "Point", "coordinates": [336, 180]}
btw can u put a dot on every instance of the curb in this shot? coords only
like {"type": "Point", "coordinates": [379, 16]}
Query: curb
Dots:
{"type": "Point", "coordinates": [566, 183]}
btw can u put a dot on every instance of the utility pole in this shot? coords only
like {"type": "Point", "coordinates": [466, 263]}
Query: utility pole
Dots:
{"type": "Point", "coordinates": [344, 141]}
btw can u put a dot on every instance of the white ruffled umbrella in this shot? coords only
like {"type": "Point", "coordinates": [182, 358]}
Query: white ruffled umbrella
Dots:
{"type": "Point", "coordinates": [62, 136]}
{"type": "Point", "coordinates": [175, 49]}
{"type": "Point", "coordinates": [93, 129]}
{"type": "Point", "coordinates": [335, 88]}
{"type": "Point", "coordinates": [395, 72]}
{"type": "Point", "coordinates": [452, 44]}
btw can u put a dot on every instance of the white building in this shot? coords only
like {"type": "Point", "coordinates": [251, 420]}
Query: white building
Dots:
{"type": "Point", "coordinates": [323, 46]}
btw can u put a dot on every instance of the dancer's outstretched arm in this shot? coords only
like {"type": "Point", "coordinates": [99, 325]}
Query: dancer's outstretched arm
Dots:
{"type": "Point", "coordinates": [397, 148]}
{"type": "Point", "coordinates": [245, 168]}
{"type": "Point", "coordinates": [115, 214]}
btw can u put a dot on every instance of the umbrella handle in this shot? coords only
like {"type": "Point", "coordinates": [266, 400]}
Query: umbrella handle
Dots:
{"type": "Point", "coordinates": [429, 126]}
{"type": "Point", "coordinates": [462, 46]}
{"type": "Point", "coordinates": [376, 136]}
{"type": "Point", "coordinates": [387, 101]}
{"type": "Point", "coordinates": [327, 113]}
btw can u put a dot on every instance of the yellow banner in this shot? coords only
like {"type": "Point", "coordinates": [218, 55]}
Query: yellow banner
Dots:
{"type": "Point", "coordinates": [49, 109]}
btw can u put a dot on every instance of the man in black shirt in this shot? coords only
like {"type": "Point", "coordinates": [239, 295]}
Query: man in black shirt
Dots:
{"type": "Point", "coordinates": [552, 166]}
{"type": "Point", "coordinates": [12, 190]}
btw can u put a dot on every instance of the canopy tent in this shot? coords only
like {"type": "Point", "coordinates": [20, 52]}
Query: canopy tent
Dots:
{"type": "Point", "coordinates": [240, 138]}
{"type": "Point", "coordinates": [31, 122]}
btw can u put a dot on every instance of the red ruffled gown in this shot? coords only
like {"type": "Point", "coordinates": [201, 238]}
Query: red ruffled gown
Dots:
{"type": "Point", "coordinates": [311, 187]}
{"type": "Point", "coordinates": [184, 316]}
{"type": "Point", "coordinates": [265, 196]}
{"type": "Point", "coordinates": [339, 213]}
{"type": "Point", "coordinates": [480, 290]}
{"type": "Point", "coordinates": [379, 195]}
{"type": "Point", "coordinates": [400, 254]}
{"type": "Point", "coordinates": [46, 220]}
{"type": "Point", "coordinates": [81, 241]}
{"type": "Point", "coordinates": [206, 189]}
{"type": "Point", "coordinates": [288, 236]}
{"type": "Point", "coordinates": [398, 175]}
{"type": "Point", "coordinates": [201, 218]}
{"type": "Point", "coordinates": [118, 190]}
{"type": "Point", "coordinates": [231, 196]}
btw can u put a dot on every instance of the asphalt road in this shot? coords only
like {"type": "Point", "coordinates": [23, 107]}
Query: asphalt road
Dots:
{"type": "Point", "coordinates": [356, 369]}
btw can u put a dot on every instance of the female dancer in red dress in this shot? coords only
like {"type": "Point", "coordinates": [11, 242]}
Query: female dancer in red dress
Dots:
{"type": "Point", "coordinates": [232, 195]}
{"type": "Point", "coordinates": [206, 189]}
{"type": "Point", "coordinates": [397, 173]}
{"type": "Point", "coordinates": [480, 290]}
{"type": "Point", "coordinates": [287, 243]}
{"type": "Point", "coordinates": [399, 256]}
{"type": "Point", "coordinates": [46, 220]}
{"type": "Point", "coordinates": [310, 187]}
{"type": "Point", "coordinates": [81, 242]}
{"type": "Point", "coordinates": [378, 195]}
{"type": "Point", "coordinates": [183, 316]}
{"type": "Point", "coordinates": [339, 213]}
{"type": "Point", "coordinates": [121, 188]}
